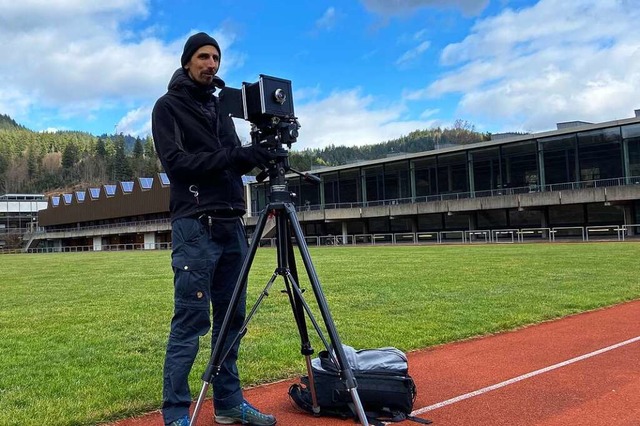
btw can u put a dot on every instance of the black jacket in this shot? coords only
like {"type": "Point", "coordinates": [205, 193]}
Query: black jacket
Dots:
{"type": "Point", "coordinates": [194, 144]}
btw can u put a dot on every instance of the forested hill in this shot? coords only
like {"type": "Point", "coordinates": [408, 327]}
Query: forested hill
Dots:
{"type": "Point", "coordinates": [461, 133]}
{"type": "Point", "coordinates": [42, 162]}
{"type": "Point", "coordinates": [36, 162]}
{"type": "Point", "coordinates": [7, 122]}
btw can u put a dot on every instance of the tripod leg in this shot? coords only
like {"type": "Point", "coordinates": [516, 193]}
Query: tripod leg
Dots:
{"type": "Point", "coordinates": [213, 368]}
{"type": "Point", "coordinates": [287, 263]}
{"type": "Point", "coordinates": [345, 370]}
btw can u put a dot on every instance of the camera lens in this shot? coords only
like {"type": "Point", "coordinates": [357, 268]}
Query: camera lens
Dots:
{"type": "Point", "coordinates": [280, 96]}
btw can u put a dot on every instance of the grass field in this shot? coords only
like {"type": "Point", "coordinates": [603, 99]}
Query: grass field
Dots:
{"type": "Point", "coordinates": [82, 335]}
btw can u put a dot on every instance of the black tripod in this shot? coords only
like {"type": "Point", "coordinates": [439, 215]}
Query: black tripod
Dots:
{"type": "Point", "coordinates": [283, 209]}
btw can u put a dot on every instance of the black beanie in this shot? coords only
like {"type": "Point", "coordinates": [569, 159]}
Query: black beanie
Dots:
{"type": "Point", "coordinates": [194, 43]}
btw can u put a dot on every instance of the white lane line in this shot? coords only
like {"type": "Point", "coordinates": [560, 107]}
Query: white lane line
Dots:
{"type": "Point", "coordinates": [523, 377]}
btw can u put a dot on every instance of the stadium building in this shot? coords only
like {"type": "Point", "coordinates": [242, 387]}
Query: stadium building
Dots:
{"type": "Point", "coordinates": [578, 182]}
{"type": "Point", "coordinates": [18, 216]}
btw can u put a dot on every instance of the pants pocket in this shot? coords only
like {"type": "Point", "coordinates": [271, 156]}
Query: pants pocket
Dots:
{"type": "Point", "coordinates": [192, 280]}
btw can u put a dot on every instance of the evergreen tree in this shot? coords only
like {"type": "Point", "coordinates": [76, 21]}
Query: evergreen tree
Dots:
{"type": "Point", "coordinates": [32, 164]}
{"type": "Point", "coordinates": [120, 168]}
{"type": "Point", "coordinates": [101, 150]}
{"type": "Point", "coordinates": [70, 156]}
{"type": "Point", "coordinates": [138, 149]}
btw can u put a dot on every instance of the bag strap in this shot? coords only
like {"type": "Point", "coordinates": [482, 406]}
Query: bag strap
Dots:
{"type": "Point", "coordinates": [387, 415]}
{"type": "Point", "coordinates": [372, 417]}
{"type": "Point", "coordinates": [419, 420]}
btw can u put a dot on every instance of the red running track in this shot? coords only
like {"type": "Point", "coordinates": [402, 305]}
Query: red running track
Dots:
{"type": "Point", "coordinates": [579, 370]}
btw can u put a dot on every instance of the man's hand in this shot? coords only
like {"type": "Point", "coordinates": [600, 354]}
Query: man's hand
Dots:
{"type": "Point", "coordinates": [246, 158]}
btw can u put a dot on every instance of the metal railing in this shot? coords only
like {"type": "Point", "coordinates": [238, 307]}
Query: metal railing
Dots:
{"type": "Point", "coordinates": [504, 191]}
{"type": "Point", "coordinates": [494, 236]}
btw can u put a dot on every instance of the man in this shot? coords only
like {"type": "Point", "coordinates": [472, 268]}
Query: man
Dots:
{"type": "Point", "coordinates": [201, 153]}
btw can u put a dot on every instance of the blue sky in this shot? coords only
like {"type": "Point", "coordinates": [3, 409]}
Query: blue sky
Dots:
{"type": "Point", "coordinates": [363, 71]}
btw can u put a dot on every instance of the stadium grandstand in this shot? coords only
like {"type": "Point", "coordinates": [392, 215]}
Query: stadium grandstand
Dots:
{"type": "Point", "coordinates": [578, 182]}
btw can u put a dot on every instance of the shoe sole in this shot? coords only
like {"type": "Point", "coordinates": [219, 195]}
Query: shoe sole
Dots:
{"type": "Point", "coordinates": [231, 421]}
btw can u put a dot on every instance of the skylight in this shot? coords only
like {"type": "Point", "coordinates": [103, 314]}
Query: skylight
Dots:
{"type": "Point", "coordinates": [145, 183]}
{"type": "Point", "coordinates": [110, 190]}
{"type": "Point", "coordinates": [127, 187]}
{"type": "Point", "coordinates": [164, 179]}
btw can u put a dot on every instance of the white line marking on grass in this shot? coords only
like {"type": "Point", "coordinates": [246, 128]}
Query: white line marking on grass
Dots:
{"type": "Point", "coordinates": [523, 377]}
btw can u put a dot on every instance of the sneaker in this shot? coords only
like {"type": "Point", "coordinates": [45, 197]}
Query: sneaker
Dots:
{"type": "Point", "coordinates": [244, 414]}
{"type": "Point", "coordinates": [182, 421]}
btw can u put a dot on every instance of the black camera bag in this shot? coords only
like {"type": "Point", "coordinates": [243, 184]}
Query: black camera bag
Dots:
{"type": "Point", "coordinates": [386, 390]}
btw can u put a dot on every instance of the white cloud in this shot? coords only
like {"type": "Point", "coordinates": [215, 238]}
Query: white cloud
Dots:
{"type": "Point", "coordinates": [328, 19]}
{"type": "Point", "coordinates": [548, 63]}
{"type": "Point", "coordinates": [405, 7]}
{"type": "Point", "coordinates": [74, 57]}
{"type": "Point", "coordinates": [350, 118]}
{"type": "Point", "coordinates": [413, 54]}
{"type": "Point", "coordinates": [136, 122]}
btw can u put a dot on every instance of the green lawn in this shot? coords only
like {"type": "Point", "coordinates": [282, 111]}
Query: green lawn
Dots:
{"type": "Point", "coordinates": [82, 335]}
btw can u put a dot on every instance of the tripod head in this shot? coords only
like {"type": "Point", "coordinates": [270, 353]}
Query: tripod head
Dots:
{"type": "Point", "coordinates": [268, 105]}
{"type": "Point", "coordinates": [274, 138]}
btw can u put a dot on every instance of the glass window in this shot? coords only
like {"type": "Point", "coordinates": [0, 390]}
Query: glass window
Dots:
{"type": "Point", "coordinates": [294, 187]}
{"type": "Point", "coordinates": [67, 198]}
{"type": "Point", "coordinates": [600, 154]}
{"type": "Point", "coordinates": [631, 131]}
{"type": "Point", "coordinates": [631, 134]}
{"type": "Point", "coordinates": [164, 179]}
{"type": "Point", "coordinates": [127, 187]}
{"type": "Point", "coordinates": [110, 190]}
{"type": "Point", "coordinates": [259, 197]}
{"type": "Point", "coordinates": [349, 186]}
{"type": "Point", "coordinates": [452, 173]}
{"type": "Point", "coordinates": [425, 176]}
{"type": "Point", "coordinates": [559, 159]}
{"type": "Point", "coordinates": [55, 201]}
{"type": "Point", "coordinates": [309, 194]}
{"type": "Point", "coordinates": [80, 196]}
{"type": "Point", "coordinates": [95, 193]}
{"type": "Point", "coordinates": [145, 183]}
{"type": "Point", "coordinates": [486, 169]}
{"type": "Point", "coordinates": [330, 186]}
{"type": "Point", "coordinates": [374, 180]}
{"type": "Point", "coordinates": [520, 164]}
{"type": "Point", "coordinates": [396, 180]}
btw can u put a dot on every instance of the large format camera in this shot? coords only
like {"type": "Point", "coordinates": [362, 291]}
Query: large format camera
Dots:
{"type": "Point", "coordinates": [268, 105]}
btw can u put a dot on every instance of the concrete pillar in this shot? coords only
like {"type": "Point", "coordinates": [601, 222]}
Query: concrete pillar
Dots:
{"type": "Point", "coordinates": [628, 219]}
{"type": "Point", "coordinates": [149, 240]}
{"type": "Point", "coordinates": [97, 243]}
{"type": "Point", "coordinates": [544, 222]}
{"type": "Point", "coordinates": [473, 221]}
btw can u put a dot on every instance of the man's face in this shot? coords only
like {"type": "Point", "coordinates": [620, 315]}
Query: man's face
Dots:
{"type": "Point", "coordinates": [203, 65]}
